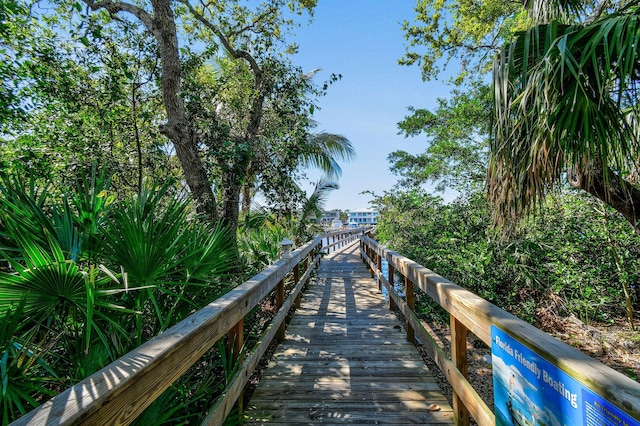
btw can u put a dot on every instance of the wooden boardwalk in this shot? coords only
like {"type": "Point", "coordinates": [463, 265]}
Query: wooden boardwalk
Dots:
{"type": "Point", "coordinates": [346, 359]}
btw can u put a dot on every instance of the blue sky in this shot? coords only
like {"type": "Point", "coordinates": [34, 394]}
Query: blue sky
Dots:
{"type": "Point", "coordinates": [362, 40]}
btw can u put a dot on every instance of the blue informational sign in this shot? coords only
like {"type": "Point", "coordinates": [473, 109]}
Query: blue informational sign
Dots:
{"type": "Point", "coordinates": [529, 390]}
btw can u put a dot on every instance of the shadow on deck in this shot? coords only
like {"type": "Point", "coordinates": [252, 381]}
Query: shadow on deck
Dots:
{"type": "Point", "coordinates": [345, 359]}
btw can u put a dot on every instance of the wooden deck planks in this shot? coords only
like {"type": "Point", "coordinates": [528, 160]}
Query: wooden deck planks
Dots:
{"type": "Point", "coordinates": [345, 359]}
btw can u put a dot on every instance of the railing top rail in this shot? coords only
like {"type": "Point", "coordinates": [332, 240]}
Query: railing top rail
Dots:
{"type": "Point", "coordinates": [343, 231]}
{"type": "Point", "coordinates": [478, 315]}
{"type": "Point", "coordinates": [133, 381]}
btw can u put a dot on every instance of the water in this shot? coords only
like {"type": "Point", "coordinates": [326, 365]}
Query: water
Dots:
{"type": "Point", "coordinates": [398, 284]}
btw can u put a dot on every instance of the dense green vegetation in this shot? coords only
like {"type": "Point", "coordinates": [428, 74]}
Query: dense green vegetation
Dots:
{"type": "Point", "coordinates": [191, 110]}
{"type": "Point", "coordinates": [82, 86]}
{"type": "Point", "coordinates": [133, 140]}
{"type": "Point", "coordinates": [86, 278]}
{"type": "Point", "coordinates": [544, 158]}
{"type": "Point", "coordinates": [576, 257]}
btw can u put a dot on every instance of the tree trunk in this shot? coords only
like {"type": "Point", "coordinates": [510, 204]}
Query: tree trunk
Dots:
{"type": "Point", "coordinates": [136, 132]}
{"type": "Point", "coordinates": [246, 199]}
{"type": "Point", "coordinates": [178, 128]}
{"type": "Point", "coordinates": [231, 206]}
{"type": "Point", "coordinates": [241, 171]}
{"type": "Point", "coordinates": [612, 190]}
{"type": "Point", "coordinates": [247, 190]}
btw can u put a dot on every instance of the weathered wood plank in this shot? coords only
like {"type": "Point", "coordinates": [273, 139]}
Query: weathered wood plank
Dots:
{"type": "Point", "coordinates": [320, 369]}
{"type": "Point", "coordinates": [317, 356]}
{"type": "Point", "coordinates": [367, 416]}
{"type": "Point", "coordinates": [378, 406]}
{"type": "Point", "coordinates": [349, 383]}
{"type": "Point", "coordinates": [345, 359]}
{"type": "Point", "coordinates": [311, 396]}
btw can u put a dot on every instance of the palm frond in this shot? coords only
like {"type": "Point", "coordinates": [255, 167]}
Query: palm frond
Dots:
{"type": "Point", "coordinates": [325, 150]}
{"type": "Point", "coordinates": [559, 91]}
{"type": "Point", "coordinates": [312, 208]}
{"type": "Point", "coordinates": [23, 369]}
{"type": "Point", "coordinates": [161, 252]}
{"type": "Point", "coordinates": [543, 11]}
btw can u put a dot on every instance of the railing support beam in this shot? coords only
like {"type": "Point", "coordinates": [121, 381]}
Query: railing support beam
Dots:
{"type": "Point", "coordinates": [379, 271]}
{"type": "Point", "coordinates": [279, 303]}
{"type": "Point", "coordinates": [411, 303]}
{"type": "Point", "coordinates": [392, 303]}
{"type": "Point", "coordinates": [296, 279]}
{"type": "Point", "coordinates": [459, 358]}
{"type": "Point", "coordinates": [235, 342]}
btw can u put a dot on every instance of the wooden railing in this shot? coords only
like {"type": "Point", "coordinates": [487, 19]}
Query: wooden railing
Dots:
{"type": "Point", "coordinates": [121, 391]}
{"type": "Point", "coordinates": [469, 312]}
{"type": "Point", "coordinates": [338, 239]}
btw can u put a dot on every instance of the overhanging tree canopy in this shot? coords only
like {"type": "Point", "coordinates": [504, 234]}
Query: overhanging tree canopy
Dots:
{"type": "Point", "coordinates": [566, 104]}
{"type": "Point", "coordinates": [250, 37]}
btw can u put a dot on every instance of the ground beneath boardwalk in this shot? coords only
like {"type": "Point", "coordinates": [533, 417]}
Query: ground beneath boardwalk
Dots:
{"type": "Point", "coordinates": [616, 345]}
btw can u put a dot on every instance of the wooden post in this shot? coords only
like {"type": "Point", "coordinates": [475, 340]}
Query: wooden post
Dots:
{"type": "Point", "coordinates": [312, 255]}
{"type": "Point", "coordinates": [372, 259]}
{"type": "Point", "coordinates": [411, 302]}
{"type": "Point", "coordinates": [279, 303]}
{"type": "Point", "coordinates": [459, 358]}
{"type": "Point", "coordinates": [296, 278]}
{"type": "Point", "coordinates": [313, 258]}
{"type": "Point", "coordinates": [392, 304]}
{"type": "Point", "coordinates": [235, 341]}
{"type": "Point", "coordinates": [379, 265]}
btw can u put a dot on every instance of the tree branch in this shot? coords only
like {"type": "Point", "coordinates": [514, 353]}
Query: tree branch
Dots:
{"type": "Point", "coordinates": [115, 7]}
{"type": "Point", "coordinates": [612, 190]}
{"type": "Point", "coordinates": [598, 11]}
{"type": "Point", "coordinates": [255, 114]}
{"type": "Point", "coordinates": [235, 53]}
{"type": "Point", "coordinates": [269, 11]}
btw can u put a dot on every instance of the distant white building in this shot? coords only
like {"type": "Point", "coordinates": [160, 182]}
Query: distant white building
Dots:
{"type": "Point", "coordinates": [329, 216]}
{"type": "Point", "coordinates": [363, 217]}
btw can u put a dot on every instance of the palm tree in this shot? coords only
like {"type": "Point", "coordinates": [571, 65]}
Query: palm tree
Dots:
{"type": "Point", "coordinates": [566, 105]}
{"type": "Point", "coordinates": [312, 210]}
{"type": "Point", "coordinates": [322, 151]}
